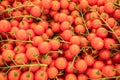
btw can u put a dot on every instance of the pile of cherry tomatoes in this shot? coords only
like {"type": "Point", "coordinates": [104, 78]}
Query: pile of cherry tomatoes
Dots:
{"type": "Point", "coordinates": [59, 39]}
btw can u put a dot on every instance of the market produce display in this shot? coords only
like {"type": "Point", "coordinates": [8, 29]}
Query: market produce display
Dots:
{"type": "Point", "coordinates": [59, 39]}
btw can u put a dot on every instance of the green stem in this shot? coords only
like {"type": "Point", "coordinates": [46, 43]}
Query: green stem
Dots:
{"type": "Point", "coordinates": [62, 41]}
{"type": "Point", "coordinates": [25, 65]}
{"type": "Point", "coordinates": [59, 52]}
{"type": "Point", "coordinates": [7, 71]}
{"type": "Point", "coordinates": [84, 21]}
{"type": "Point", "coordinates": [30, 16]}
{"type": "Point", "coordinates": [106, 78]}
{"type": "Point", "coordinates": [37, 60]}
{"type": "Point", "coordinates": [108, 26]}
{"type": "Point", "coordinates": [20, 68]}
{"type": "Point", "coordinates": [15, 41]}
{"type": "Point", "coordinates": [13, 61]}
{"type": "Point", "coordinates": [21, 6]}
{"type": "Point", "coordinates": [7, 35]}
{"type": "Point", "coordinates": [73, 61]}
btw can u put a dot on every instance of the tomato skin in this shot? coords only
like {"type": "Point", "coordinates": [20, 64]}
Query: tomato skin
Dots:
{"type": "Point", "coordinates": [37, 40]}
{"type": "Point", "coordinates": [55, 45]}
{"type": "Point", "coordinates": [96, 23]}
{"type": "Point", "coordinates": [17, 13]}
{"type": "Point", "coordinates": [30, 33]}
{"type": "Point", "coordinates": [64, 4]}
{"type": "Point", "coordinates": [49, 32]}
{"type": "Point", "coordinates": [46, 60]}
{"type": "Point", "coordinates": [109, 7]}
{"type": "Point", "coordinates": [4, 3]}
{"type": "Point", "coordinates": [7, 46]}
{"type": "Point", "coordinates": [64, 11]}
{"type": "Point", "coordinates": [65, 26]}
{"type": "Point", "coordinates": [14, 22]}
{"type": "Point", "coordinates": [8, 53]}
{"type": "Point", "coordinates": [27, 76]}
{"type": "Point", "coordinates": [19, 35]}
{"type": "Point", "coordinates": [13, 32]}
{"type": "Point", "coordinates": [1, 61]}
{"type": "Point", "coordinates": [75, 40]}
{"type": "Point", "coordinates": [100, 9]}
{"type": "Point", "coordinates": [35, 11]}
{"type": "Point", "coordinates": [116, 13]}
{"type": "Point", "coordinates": [93, 74]}
{"type": "Point", "coordinates": [99, 42]}
{"type": "Point", "coordinates": [117, 31]}
{"type": "Point", "coordinates": [61, 63]}
{"type": "Point", "coordinates": [80, 29]}
{"type": "Point", "coordinates": [24, 25]}
{"type": "Point", "coordinates": [75, 13]}
{"type": "Point", "coordinates": [118, 69]}
{"type": "Point", "coordinates": [111, 22]}
{"type": "Point", "coordinates": [44, 47]}
{"type": "Point", "coordinates": [55, 5]}
{"type": "Point", "coordinates": [108, 70]}
{"type": "Point", "coordinates": [39, 30]}
{"type": "Point", "coordinates": [100, 2]}
{"type": "Point", "coordinates": [105, 16]}
{"type": "Point", "coordinates": [56, 17]}
{"type": "Point", "coordinates": [19, 49]}
{"type": "Point", "coordinates": [44, 24]}
{"type": "Point", "coordinates": [81, 65]}
{"type": "Point", "coordinates": [62, 17]}
{"type": "Point", "coordinates": [93, 16]}
{"type": "Point", "coordinates": [104, 54]}
{"type": "Point", "coordinates": [69, 69]}
{"type": "Point", "coordinates": [116, 57]}
{"type": "Point", "coordinates": [91, 36]}
{"type": "Point", "coordinates": [32, 53]}
{"type": "Point", "coordinates": [102, 32]}
{"type": "Point", "coordinates": [59, 39]}
{"type": "Point", "coordinates": [70, 77]}
{"type": "Point", "coordinates": [11, 74]}
{"type": "Point", "coordinates": [83, 41]}
{"type": "Point", "coordinates": [99, 65]}
{"type": "Point", "coordinates": [109, 62]}
{"type": "Point", "coordinates": [46, 4]}
{"type": "Point", "coordinates": [78, 21]}
{"type": "Point", "coordinates": [74, 49]}
{"type": "Point", "coordinates": [56, 27]}
{"type": "Point", "coordinates": [21, 58]}
{"type": "Point", "coordinates": [6, 27]}
{"type": "Point", "coordinates": [41, 75]}
{"type": "Point", "coordinates": [110, 43]}
{"type": "Point", "coordinates": [35, 68]}
{"type": "Point", "coordinates": [71, 6]}
{"type": "Point", "coordinates": [68, 55]}
{"type": "Point", "coordinates": [92, 2]}
{"type": "Point", "coordinates": [75, 0]}
{"type": "Point", "coordinates": [82, 77]}
{"type": "Point", "coordinates": [89, 60]}
{"type": "Point", "coordinates": [84, 4]}
{"type": "Point", "coordinates": [2, 76]}
{"type": "Point", "coordinates": [70, 19]}
{"type": "Point", "coordinates": [52, 72]}
{"type": "Point", "coordinates": [66, 35]}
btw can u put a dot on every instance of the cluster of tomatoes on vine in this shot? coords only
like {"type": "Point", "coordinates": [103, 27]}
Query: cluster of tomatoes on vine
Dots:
{"type": "Point", "coordinates": [59, 39]}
